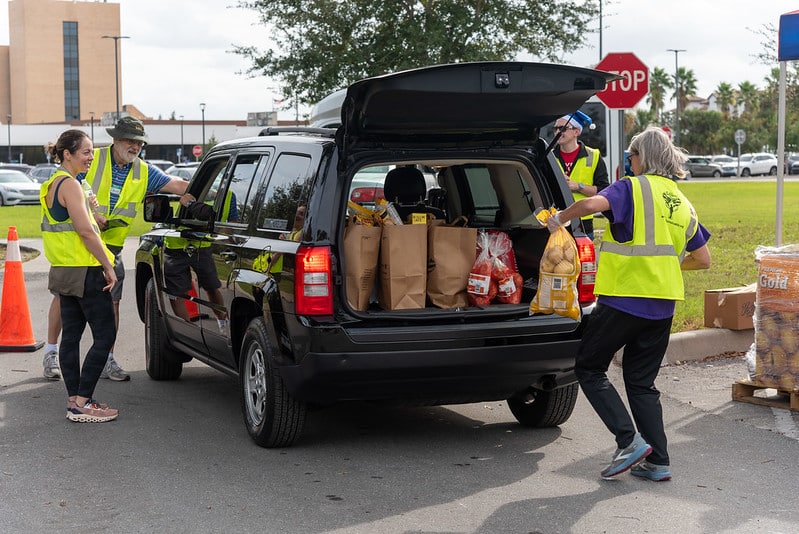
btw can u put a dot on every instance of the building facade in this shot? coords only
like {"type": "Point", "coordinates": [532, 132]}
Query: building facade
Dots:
{"type": "Point", "coordinates": [60, 62]}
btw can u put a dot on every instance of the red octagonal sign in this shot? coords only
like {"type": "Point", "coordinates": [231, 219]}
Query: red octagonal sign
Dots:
{"type": "Point", "coordinates": [626, 93]}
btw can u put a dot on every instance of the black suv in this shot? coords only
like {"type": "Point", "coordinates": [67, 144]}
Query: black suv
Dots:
{"type": "Point", "coordinates": [291, 336]}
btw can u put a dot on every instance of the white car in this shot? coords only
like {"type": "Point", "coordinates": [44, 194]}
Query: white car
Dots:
{"type": "Point", "coordinates": [16, 187]}
{"type": "Point", "coordinates": [758, 163]}
{"type": "Point", "coordinates": [729, 165]}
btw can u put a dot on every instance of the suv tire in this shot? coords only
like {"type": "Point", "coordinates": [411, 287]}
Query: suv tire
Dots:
{"type": "Point", "coordinates": [745, 172]}
{"type": "Point", "coordinates": [272, 416]}
{"type": "Point", "coordinates": [162, 362]}
{"type": "Point", "coordinates": [772, 171]}
{"type": "Point", "coordinates": [539, 408]}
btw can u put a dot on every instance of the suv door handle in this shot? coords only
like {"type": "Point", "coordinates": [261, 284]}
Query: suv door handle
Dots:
{"type": "Point", "coordinates": [229, 256]}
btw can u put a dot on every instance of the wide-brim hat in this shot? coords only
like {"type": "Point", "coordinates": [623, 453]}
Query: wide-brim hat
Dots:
{"type": "Point", "coordinates": [128, 128]}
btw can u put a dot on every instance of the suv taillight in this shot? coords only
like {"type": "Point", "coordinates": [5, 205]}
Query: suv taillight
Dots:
{"type": "Point", "coordinates": [313, 283]}
{"type": "Point", "coordinates": [367, 194]}
{"type": "Point", "coordinates": [585, 284]}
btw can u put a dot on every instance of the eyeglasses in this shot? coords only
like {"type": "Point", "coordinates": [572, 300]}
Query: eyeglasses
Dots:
{"type": "Point", "coordinates": [628, 159]}
{"type": "Point", "coordinates": [563, 128]}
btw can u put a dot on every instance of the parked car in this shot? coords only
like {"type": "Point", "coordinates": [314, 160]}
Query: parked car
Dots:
{"type": "Point", "coordinates": [182, 170]}
{"type": "Point", "coordinates": [729, 165]}
{"type": "Point", "coordinates": [162, 164]}
{"type": "Point", "coordinates": [792, 164]}
{"type": "Point", "coordinates": [295, 335]}
{"type": "Point", "coordinates": [23, 167]}
{"type": "Point", "coordinates": [42, 172]}
{"type": "Point", "coordinates": [17, 188]}
{"type": "Point", "coordinates": [758, 163]}
{"type": "Point", "coordinates": [702, 166]}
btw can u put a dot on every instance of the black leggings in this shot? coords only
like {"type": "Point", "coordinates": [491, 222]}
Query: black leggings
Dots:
{"type": "Point", "coordinates": [645, 342]}
{"type": "Point", "coordinates": [96, 309]}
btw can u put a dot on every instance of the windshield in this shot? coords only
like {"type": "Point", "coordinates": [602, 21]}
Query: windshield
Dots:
{"type": "Point", "coordinates": [13, 177]}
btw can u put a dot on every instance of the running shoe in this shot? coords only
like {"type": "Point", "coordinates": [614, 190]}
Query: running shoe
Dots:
{"type": "Point", "coordinates": [114, 372]}
{"type": "Point", "coordinates": [91, 412]}
{"type": "Point", "coordinates": [658, 473]}
{"type": "Point", "coordinates": [50, 363]}
{"type": "Point", "coordinates": [625, 458]}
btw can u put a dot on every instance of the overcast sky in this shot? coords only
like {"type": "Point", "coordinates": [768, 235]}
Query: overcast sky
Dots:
{"type": "Point", "coordinates": [178, 54]}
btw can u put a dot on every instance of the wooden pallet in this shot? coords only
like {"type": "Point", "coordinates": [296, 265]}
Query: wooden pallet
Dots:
{"type": "Point", "coordinates": [744, 391]}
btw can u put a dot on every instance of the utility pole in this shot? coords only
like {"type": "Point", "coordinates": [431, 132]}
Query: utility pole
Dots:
{"type": "Point", "coordinates": [677, 95]}
{"type": "Point", "coordinates": [116, 39]}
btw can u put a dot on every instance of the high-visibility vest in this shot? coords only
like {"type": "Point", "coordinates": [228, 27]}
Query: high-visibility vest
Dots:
{"type": "Point", "coordinates": [648, 265]}
{"type": "Point", "coordinates": [583, 172]}
{"type": "Point", "coordinates": [122, 215]}
{"type": "Point", "coordinates": [63, 246]}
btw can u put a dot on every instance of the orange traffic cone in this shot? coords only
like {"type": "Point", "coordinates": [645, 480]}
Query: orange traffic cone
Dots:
{"type": "Point", "coordinates": [16, 332]}
{"type": "Point", "coordinates": [191, 306]}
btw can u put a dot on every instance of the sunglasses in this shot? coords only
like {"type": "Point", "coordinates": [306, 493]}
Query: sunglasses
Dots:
{"type": "Point", "coordinates": [563, 128]}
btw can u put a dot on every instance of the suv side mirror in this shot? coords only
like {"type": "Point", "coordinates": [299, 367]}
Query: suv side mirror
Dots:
{"type": "Point", "coordinates": [157, 209]}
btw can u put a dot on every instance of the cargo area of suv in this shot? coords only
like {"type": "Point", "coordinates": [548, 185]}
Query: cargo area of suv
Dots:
{"type": "Point", "coordinates": [302, 316]}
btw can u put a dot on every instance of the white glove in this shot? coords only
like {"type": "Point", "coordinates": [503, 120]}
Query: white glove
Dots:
{"type": "Point", "coordinates": [553, 222]}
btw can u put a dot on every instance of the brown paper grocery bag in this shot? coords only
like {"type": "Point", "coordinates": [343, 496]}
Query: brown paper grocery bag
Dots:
{"type": "Point", "coordinates": [403, 266]}
{"type": "Point", "coordinates": [361, 251]}
{"type": "Point", "coordinates": [450, 252]}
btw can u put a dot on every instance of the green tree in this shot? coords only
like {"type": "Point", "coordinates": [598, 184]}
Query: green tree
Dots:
{"type": "Point", "coordinates": [699, 131]}
{"type": "Point", "coordinates": [725, 96]}
{"type": "Point", "coordinates": [748, 96]}
{"type": "Point", "coordinates": [659, 83]}
{"type": "Point", "coordinates": [684, 86]}
{"type": "Point", "coordinates": [323, 45]}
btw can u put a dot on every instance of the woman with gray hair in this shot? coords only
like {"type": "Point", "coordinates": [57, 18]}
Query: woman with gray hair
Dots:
{"type": "Point", "coordinates": [652, 235]}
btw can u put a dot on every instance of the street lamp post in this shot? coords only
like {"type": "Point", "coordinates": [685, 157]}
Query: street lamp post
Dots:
{"type": "Point", "coordinates": [116, 39]}
{"type": "Point", "coordinates": [181, 139]}
{"type": "Point", "coordinates": [8, 120]}
{"type": "Point", "coordinates": [91, 121]}
{"type": "Point", "coordinates": [677, 95]}
{"type": "Point", "coordinates": [202, 109]}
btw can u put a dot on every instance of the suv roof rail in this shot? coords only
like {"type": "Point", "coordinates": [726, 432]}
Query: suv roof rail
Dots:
{"type": "Point", "coordinates": [277, 130]}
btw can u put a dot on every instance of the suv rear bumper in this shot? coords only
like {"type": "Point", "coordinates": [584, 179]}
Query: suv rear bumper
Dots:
{"type": "Point", "coordinates": [432, 376]}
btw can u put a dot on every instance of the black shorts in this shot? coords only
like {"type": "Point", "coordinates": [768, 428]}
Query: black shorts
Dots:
{"type": "Point", "coordinates": [177, 276]}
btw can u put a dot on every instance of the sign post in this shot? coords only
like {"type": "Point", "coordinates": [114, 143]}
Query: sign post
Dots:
{"type": "Point", "coordinates": [625, 93]}
{"type": "Point", "coordinates": [740, 138]}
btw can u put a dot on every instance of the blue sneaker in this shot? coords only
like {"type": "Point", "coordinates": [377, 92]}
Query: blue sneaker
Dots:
{"type": "Point", "coordinates": [625, 458]}
{"type": "Point", "coordinates": [658, 473]}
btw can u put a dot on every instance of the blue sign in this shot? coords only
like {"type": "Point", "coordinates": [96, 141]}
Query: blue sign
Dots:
{"type": "Point", "coordinates": [788, 48]}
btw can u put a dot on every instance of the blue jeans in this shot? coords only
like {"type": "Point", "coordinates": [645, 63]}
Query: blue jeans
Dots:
{"type": "Point", "coordinates": [645, 342]}
{"type": "Point", "coordinates": [96, 309]}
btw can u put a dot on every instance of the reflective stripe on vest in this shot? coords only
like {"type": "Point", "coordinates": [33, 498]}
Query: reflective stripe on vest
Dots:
{"type": "Point", "coordinates": [649, 264]}
{"type": "Point", "coordinates": [131, 196]}
{"type": "Point", "coordinates": [63, 246]}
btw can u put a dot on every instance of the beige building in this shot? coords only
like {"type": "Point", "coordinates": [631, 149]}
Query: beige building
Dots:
{"type": "Point", "coordinates": [58, 67]}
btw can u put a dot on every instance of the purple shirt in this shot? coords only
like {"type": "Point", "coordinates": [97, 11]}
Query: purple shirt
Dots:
{"type": "Point", "coordinates": [620, 218]}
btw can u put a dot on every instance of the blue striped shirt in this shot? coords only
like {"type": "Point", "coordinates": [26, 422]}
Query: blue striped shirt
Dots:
{"type": "Point", "coordinates": [156, 179]}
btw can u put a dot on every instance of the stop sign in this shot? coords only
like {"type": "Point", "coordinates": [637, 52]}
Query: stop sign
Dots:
{"type": "Point", "coordinates": [626, 93]}
{"type": "Point", "coordinates": [197, 150]}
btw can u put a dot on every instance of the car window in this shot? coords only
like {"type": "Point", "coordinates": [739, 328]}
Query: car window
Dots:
{"type": "Point", "coordinates": [241, 191]}
{"type": "Point", "coordinates": [484, 197]}
{"type": "Point", "coordinates": [288, 189]}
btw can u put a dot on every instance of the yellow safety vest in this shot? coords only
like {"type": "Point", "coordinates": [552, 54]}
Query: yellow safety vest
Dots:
{"type": "Point", "coordinates": [63, 246]}
{"type": "Point", "coordinates": [583, 173]}
{"type": "Point", "coordinates": [648, 265]}
{"type": "Point", "coordinates": [121, 216]}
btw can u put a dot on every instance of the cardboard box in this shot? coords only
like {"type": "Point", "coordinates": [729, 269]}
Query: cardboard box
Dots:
{"type": "Point", "coordinates": [730, 308]}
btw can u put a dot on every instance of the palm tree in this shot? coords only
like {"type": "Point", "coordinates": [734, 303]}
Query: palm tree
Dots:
{"type": "Point", "coordinates": [725, 96]}
{"type": "Point", "coordinates": [748, 96]}
{"type": "Point", "coordinates": [659, 82]}
{"type": "Point", "coordinates": [685, 86]}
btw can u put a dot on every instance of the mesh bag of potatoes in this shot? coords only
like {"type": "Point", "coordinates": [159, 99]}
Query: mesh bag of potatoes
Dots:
{"type": "Point", "coordinates": [557, 274]}
{"type": "Point", "coordinates": [777, 317]}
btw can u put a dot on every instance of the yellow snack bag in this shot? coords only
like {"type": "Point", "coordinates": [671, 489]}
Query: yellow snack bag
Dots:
{"type": "Point", "coordinates": [557, 274]}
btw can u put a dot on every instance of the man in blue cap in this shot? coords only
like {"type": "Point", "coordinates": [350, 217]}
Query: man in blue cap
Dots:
{"type": "Point", "coordinates": [584, 168]}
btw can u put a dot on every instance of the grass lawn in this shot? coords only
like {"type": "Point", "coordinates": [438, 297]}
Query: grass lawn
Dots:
{"type": "Point", "coordinates": [739, 215]}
